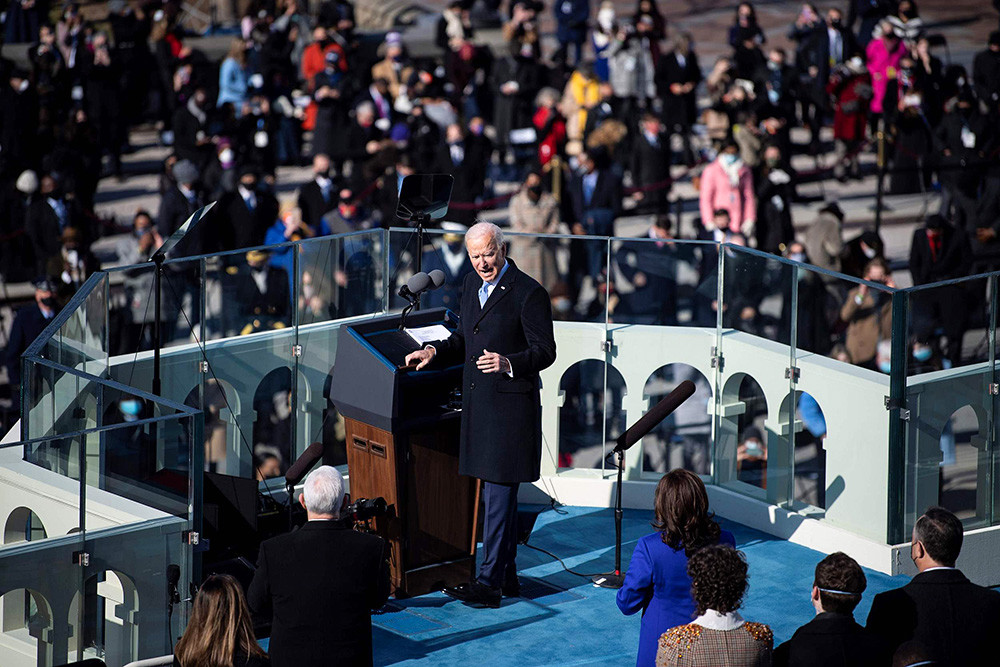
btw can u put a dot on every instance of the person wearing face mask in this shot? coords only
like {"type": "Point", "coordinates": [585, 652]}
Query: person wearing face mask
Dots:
{"type": "Point", "coordinates": [319, 196]}
{"type": "Point", "coordinates": [939, 252]}
{"type": "Point", "coordinates": [533, 211]}
{"type": "Point", "coordinates": [190, 127]}
{"type": "Point", "coordinates": [221, 174]}
{"type": "Point", "coordinates": [831, 45]}
{"type": "Point", "coordinates": [774, 203]}
{"type": "Point", "coordinates": [963, 138]}
{"type": "Point", "coordinates": [859, 251]}
{"type": "Point", "coordinates": [601, 37]}
{"type": "Point", "coordinates": [74, 263]}
{"type": "Point", "coordinates": [28, 324]}
{"type": "Point", "coordinates": [249, 211]}
{"type": "Point", "coordinates": [348, 216]}
{"type": "Point", "coordinates": [571, 30]}
{"type": "Point", "coordinates": [396, 69]}
{"type": "Point", "coordinates": [727, 183]}
{"type": "Point", "coordinates": [851, 90]}
{"type": "Point", "coordinates": [47, 218]}
{"type": "Point", "coordinates": [746, 29]}
{"type": "Point", "coordinates": [464, 156]}
{"type": "Point", "coordinates": [883, 56]}
{"type": "Point", "coordinates": [906, 22]}
{"type": "Point", "coordinates": [868, 315]}
{"type": "Point", "coordinates": [677, 77]}
{"type": "Point", "coordinates": [813, 331]}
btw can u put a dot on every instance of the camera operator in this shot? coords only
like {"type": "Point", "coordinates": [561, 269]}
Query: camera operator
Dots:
{"type": "Point", "coordinates": [317, 585]}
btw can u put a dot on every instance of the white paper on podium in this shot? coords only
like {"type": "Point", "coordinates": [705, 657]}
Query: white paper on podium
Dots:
{"type": "Point", "coordinates": [424, 335]}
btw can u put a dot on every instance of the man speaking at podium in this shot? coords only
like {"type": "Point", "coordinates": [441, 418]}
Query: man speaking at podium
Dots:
{"type": "Point", "coordinates": [505, 337]}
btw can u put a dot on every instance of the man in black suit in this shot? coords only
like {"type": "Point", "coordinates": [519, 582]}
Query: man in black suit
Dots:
{"type": "Point", "coordinates": [833, 638]}
{"type": "Point", "coordinates": [940, 252]}
{"type": "Point", "coordinates": [507, 316]}
{"type": "Point", "coordinates": [651, 269]}
{"type": "Point", "coordinates": [595, 196]}
{"type": "Point", "coordinates": [316, 586]}
{"type": "Point", "coordinates": [677, 77]}
{"type": "Point", "coordinates": [27, 325]}
{"type": "Point", "coordinates": [955, 619]}
{"type": "Point", "coordinates": [830, 45]}
{"type": "Point", "coordinates": [319, 196]}
{"type": "Point", "coordinates": [176, 207]}
{"type": "Point", "coordinates": [249, 212]}
{"type": "Point", "coordinates": [651, 165]}
{"type": "Point", "coordinates": [465, 157]}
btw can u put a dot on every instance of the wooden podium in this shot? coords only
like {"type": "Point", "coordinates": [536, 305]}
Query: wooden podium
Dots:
{"type": "Point", "coordinates": [402, 445]}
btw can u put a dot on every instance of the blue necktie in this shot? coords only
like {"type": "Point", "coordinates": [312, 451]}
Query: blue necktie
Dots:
{"type": "Point", "coordinates": [484, 293]}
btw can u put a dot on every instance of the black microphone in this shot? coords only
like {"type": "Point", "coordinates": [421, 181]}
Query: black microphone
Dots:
{"type": "Point", "coordinates": [658, 413]}
{"type": "Point", "coordinates": [173, 577]}
{"type": "Point", "coordinates": [303, 464]}
{"type": "Point", "coordinates": [437, 278]}
{"type": "Point", "coordinates": [417, 283]}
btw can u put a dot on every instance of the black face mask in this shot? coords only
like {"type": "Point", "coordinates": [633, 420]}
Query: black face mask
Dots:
{"type": "Point", "coordinates": [49, 302]}
{"type": "Point", "coordinates": [535, 190]}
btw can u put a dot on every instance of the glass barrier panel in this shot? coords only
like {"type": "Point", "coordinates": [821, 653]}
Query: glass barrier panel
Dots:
{"type": "Point", "coordinates": [132, 313]}
{"type": "Point", "coordinates": [247, 402]}
{"type": "Point", "coordinates": [247, 292]}
{"type": "Point", "coordinates": [183, 294]}
{"type": "Point", "coordinates": [755, 433]}
{"type": "Point", "coordinates": [39, 578]}
{"type": "Point", "coordinates": [57, 401]}
{"type": "Point", "coordinates": [949, 326]}
{"type": "Point", "coordinates": [950, 449]}
{"type": "Point", "coordinates": [664, 282]}
{"type": "Point", "coordinates": [338, 276]}
{"type": "Point", "coordinates": [81, 340]}
{"type": "Point", "coordinates": [589, 391]}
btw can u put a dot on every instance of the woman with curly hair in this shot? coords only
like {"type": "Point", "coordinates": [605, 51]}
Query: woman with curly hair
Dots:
{"type": "Point", "coordinates": [657, 582]}
{"type": "Point", "coordinates": [718, 637]}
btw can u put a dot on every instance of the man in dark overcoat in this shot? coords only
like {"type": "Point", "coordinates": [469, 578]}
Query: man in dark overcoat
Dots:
{"type": "Point", "coordinates": [505, 339]}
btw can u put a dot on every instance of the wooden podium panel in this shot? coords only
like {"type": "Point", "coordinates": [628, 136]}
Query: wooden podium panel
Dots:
{"type": "Point", "coordinates": [433, 518]}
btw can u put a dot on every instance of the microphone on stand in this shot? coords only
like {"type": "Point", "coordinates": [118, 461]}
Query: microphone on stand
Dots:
{"type": "Point", "coordinates": [297, 471]}
{"type": "Point", "coordinates": [417, 283]}
{"type": "Point", "coordinates": [437, 278]}
{"type": "Point", "coordinates": [634, 434]}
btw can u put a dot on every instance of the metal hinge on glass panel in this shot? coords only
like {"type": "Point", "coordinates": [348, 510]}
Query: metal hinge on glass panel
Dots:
{"type": "Point", "coordinates": [792, 373]}
{"type": "Point", "coordinates": [717, 360]}
{"type": "Point", "coordinates": [203, 366]}
{"type": "Point", "coordinates": [605, 346]}
{"type": "Point", "coordinates": [191, 537]}
{"type": "Point", "coordinates": [904, 413]}
{"type": "Point", "coordinates": [993, 389]}
{"type": "Point", "coordinates": [296, 350]}
{"type": "Point", "coordinates": [81, 558]}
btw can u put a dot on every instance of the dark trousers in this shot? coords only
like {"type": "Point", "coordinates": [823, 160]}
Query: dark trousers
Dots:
{"type": "Point", "coordinates": [499, 534]}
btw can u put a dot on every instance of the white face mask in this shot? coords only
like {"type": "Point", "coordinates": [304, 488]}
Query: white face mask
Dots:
{"type": "Point", "coordinates": [869, 252]}
{"type": "Point", "coordinates": [606, 18]}
{"type": "Point", "coordinates": [226, 156]}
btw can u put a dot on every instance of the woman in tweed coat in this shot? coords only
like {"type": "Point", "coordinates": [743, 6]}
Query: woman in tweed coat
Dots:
{"type": "Point", "coordinates": [718, 637]}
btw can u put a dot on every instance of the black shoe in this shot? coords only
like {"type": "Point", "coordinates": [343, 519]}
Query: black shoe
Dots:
{"type": "Point", "coordinates": [475, 592]}
{"type": "Point", "coordinates": [511, 589]}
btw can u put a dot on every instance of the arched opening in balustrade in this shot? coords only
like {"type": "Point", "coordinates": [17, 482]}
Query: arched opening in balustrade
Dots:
{"type": "Point", "coordinates": [809, 432]}
{"type": "Point", "coordinates": [962, 450]}
{"type": "Point", "coordinates": [221, 409]}
{"type": "Point", "coordinates": [27, 624]}
{"type": "Point", "coordinates": [743, 436]}
{"type": "Point", "coordinates": [272, 426]}
{"type": "Point", "coordinates": [591, 414]}
{"type": "Point", "coordinates": [110, 627]}
{"type": "Point", "coordinates": [684, 439]}
{"type": "Point", "coordinates": [23, 525]}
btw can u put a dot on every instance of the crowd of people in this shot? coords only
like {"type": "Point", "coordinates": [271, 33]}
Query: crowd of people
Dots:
{"type": "Point", "coordinates": [562, 137]}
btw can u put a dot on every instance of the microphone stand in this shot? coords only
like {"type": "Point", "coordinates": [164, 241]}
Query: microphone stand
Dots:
{"type": "Point", "coordinates": [615, 579]}
{"type": "Point", "coordinates": [420, 219]}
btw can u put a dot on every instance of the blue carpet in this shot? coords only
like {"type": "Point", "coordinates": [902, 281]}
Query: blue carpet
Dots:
{"type": "Point", "coordinates": [564, 620]}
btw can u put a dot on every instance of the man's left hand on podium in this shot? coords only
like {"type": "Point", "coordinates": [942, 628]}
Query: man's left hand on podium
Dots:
{"type": "Point", "coordinates": [491, 362]}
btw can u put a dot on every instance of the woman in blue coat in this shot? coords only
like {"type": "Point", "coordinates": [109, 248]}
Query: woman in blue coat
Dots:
{"type": "Point", "coordinates": [657, 582]}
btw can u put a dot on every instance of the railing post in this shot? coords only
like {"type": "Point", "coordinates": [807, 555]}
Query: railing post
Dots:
{"type": "Point", "coordinates": [895, 489]}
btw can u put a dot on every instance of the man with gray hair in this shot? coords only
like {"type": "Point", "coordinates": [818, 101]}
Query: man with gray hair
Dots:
{"type": "Point", "coordinates": [317, 586]}
{"type": "Point", "coordinates": [507, 316]}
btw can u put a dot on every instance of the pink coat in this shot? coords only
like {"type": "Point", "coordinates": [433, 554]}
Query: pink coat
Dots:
{"type": "Point", "coordinates": [880, 60]}
{"type": "Point", "coordinates": [716, 192]}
